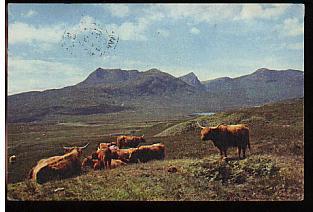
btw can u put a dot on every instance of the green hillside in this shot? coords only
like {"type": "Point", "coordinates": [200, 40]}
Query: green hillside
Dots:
{"type": "Point", "coordinates": [273, 169]}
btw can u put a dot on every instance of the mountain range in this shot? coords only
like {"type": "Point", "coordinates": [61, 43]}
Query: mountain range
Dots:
{"type": "Point", "coordinates": [115, 90]}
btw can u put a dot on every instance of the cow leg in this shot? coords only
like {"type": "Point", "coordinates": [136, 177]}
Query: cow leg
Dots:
{"type": "Point", "coordinates": [109, 163]}
{"type": "Point", "coordinates": [106, 164]}
{"type": "Point", "coordinates": [244, 152]}
{"type": "Point", "coordinates": [239, 151]}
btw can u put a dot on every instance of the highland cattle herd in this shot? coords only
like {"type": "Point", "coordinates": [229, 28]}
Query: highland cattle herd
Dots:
{"type": "Point", "coordinates": [128, 150]}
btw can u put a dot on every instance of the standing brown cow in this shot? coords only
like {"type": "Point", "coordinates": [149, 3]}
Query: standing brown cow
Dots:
{"type": "Point", "coordinates": [129, 141]}
{"type": "Point", "coordinates": [56, 167]}
{"type": "Point", "coordinates": [105, 156]}
{"type": "Point", "coordinates": [225, 136]}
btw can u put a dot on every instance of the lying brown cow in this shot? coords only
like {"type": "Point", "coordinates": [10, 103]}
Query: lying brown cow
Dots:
{"type": "Point", "coordinates": [147, 153]}
{"type": "Point", "coordinates": [225, 136]}
{"type": "Point", "coordinates": [58, 167]}
{"type": "Point", "coordinates": [122, 154]}
{"type": "Point", "coordinates": [114, 164]}
{"type": "Point", "coordinates": [129, 141]}
{"type": "Point", "coordinates": [117, 163]}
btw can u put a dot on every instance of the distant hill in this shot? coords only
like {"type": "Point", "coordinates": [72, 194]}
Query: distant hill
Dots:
{"type": "Point", "coordinates": [108, 77]}
{"type": "Point", "coordinates": [154, 92]}
{"type": "Point", "coordinates": [192, 79]}
{"type": "Point", "coordinates": [135, 83]}
{"type": "Point", "coordinates": [103, 91]}
{"type": "Point", "coordinates": [261, 86]}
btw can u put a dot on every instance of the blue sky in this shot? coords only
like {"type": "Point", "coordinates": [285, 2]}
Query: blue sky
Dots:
{"type": "Point", "coordinates": [211, 40]}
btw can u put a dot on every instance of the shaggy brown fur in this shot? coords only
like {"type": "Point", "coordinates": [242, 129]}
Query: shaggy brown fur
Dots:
{"type": "Point", "coordinates": [105, 155]}
{"type": "Point", "coordinates": [114, 164]}
{"type": "Point", "coordinates": [129, 141]}
{"type": "Point", "coordinates": [98, 164]}
{"type": "Point", "coordinates": [225, 136]}
{"type": "Point", "coordinates": [122, 154]}
{"type": "Point", "coordinates": [57, 167]}
{"type": "Point", "coordinates": [104, 145]}
{"type": "Point", "coordinates": [117, 163]}
{"type": "Point", "coordinates": [147, 153]}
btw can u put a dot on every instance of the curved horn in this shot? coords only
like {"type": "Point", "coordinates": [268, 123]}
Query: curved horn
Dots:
{"type": "Point", "coordinates": [219, 125]}
{"type": "Point", "coordinates": [200, 125]}
{"type": "Point", "coordinates": [65, 147]}
{"type": "Point", "coordinates": [84, 146]}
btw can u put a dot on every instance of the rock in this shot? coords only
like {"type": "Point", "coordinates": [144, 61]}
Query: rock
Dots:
{"type": "Point", "coordinates": [172, 169]}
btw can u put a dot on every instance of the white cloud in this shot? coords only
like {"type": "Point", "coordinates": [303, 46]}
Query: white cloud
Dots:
{"type": "Point", "coordinates": [194, 30]}
{"type": "Point", "coordinates": [198, 12]}
{"type": "Point", "coordinates": [118, 10]}
{"type": "Point", "coordinates": [292, 27]}
{"type": "Point", "coordinates": [137, 30]}
{"type": "Point", "coordinates": [252, 11]}
{"type": "Point", "coordinates": [131, 30]}
{"type": "Point", "coordinates": [30, 13]}
{"type": "Point", "coordinates": [26, 75]}
{"type": "Point", "coordinates": [221, 12]}
{"type": "Point", "coordinates": [128, 30]}
{"type": "Point", "coordinates": [19, 32]}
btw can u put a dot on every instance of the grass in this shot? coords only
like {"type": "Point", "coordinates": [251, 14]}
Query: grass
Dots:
{"type": "Point", "coordinates": [273, 170]}
{"type": "Point", "coordinates": [196, 179]}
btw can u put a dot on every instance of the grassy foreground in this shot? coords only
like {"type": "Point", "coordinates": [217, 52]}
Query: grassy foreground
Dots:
{"type": "Point", "coordinates": [254, 178]}
{"type": "Point", "coordinates": [273, 170]}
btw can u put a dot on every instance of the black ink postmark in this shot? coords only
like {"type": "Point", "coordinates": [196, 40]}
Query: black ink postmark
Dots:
{"type": "Point", "coordinates": [89, 38]}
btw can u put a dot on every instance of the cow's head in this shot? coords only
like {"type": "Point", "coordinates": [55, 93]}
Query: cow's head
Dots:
{"type": "Point", "coordinates": [135, 155]}
{"type": "Point", "coordinates": [79, 150]}
{"type": "Point", "coordinates": [104, 145]}
{"type": "Point", "coordinates": [208, 133]}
